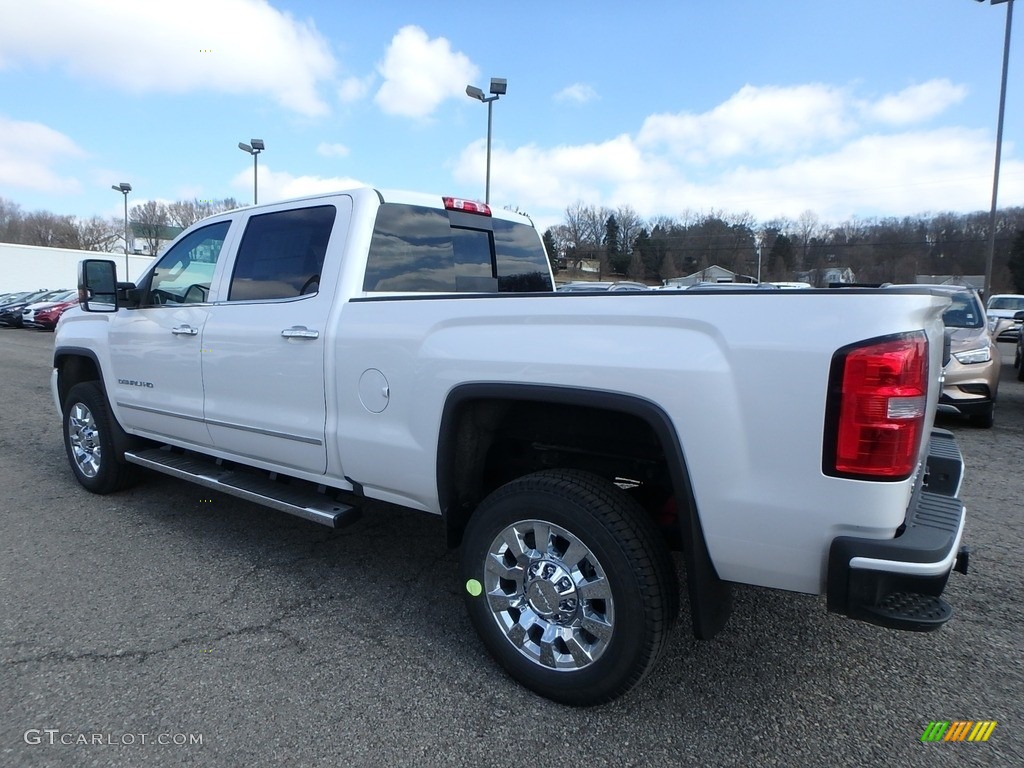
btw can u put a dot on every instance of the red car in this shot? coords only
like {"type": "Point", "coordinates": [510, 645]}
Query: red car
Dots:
{"type": "Point", "coordinates": [47, 317]}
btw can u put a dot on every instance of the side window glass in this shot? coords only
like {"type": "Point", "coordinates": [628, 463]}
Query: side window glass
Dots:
{"type": "Point", "coordinates": [282, 254]}
{"type": "Point", "coordinates": [522, 265]}
{"type": "Point", "coordinates": [183, 274]}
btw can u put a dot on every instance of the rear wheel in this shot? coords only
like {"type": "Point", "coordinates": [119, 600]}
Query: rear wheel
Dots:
{"type": "Point", "coordinates": [89, 430]}
{"type": "Point", "coordinates": [569, 585]}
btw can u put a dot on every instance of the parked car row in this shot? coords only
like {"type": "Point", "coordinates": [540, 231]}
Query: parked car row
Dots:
{"type": "Point", "coordinates": [36, 309]}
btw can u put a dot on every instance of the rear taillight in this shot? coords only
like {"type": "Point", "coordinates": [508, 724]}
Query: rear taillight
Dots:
{"type": "Point", "coordinates": [877, 399]}
{"type": "Point", "coordinates": [466, 206]}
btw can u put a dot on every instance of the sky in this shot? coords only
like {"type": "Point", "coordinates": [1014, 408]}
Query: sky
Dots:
{"type": "Point", "coordinates": [850, 110]}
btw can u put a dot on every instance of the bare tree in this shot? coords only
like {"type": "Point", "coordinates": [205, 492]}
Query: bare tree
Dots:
{"type": "Point", "coordinates": [584, 233]}
{"type": "Point", "coordinates": [630, 224]}
{"type": "Point", "coordinates": [49, 229]}
{"type": "Point", "coordinates": [98, 234]}
{"type": "Point", "coordinates": [10, 221]}
{"type": "Point", "coordinates": [185, 213]}
{"type": "Point", "coordinates": [807, 229]}
{"type": "Point", "coordinates": [636, 269]}
{"type": "Point", "coordinates": [149, 221]}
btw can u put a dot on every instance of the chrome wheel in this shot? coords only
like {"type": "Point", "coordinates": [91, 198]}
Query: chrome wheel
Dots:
{"type": "Point", "coordinates": [84, 439]}
{"type": "Point", "coordinates": [549, 595]}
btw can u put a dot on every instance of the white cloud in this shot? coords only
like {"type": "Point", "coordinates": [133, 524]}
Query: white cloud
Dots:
{"type": "Point", "coordinates": [557, 176]}
{"type": "Point", "coordinates": [27, 155]}
{"type": "Point", "coordinates": [753, 121]}
{"type": "Point", "coordinates": [230, 46]}
{"type": "Point", "coordinates": [578, 93]}
{"type": "Point", "coordinates": [281, 185]}
{"type": "Point", "coordinates": [420, 73]}
{"type": "Point", "coordinates": [332, 150]}
{"type": "Point", "coordinates": [890, 175]}
{"type": "Point", "coordinates": [768, 151]}
{"type": "Point", "coordinates": [354, 89]}
{"type": "Point", "coordinates": [916, 103]}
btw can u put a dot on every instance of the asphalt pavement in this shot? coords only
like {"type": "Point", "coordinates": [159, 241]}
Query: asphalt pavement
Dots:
{"type": "Point", "coordinates": [168, 625]}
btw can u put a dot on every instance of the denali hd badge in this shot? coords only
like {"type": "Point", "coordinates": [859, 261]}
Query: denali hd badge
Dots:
{"type": "Point", "coordinates": [133, 383]}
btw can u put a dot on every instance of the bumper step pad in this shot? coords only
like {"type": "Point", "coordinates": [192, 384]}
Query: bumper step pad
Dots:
{"type": "Point", "coordinates": [908, 611]}
{"type": "Point", "coordinates": [897, 582]}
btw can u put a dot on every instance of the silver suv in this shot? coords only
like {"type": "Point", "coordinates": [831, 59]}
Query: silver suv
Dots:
{"type": "Point", "coordinates": [1001, 308]}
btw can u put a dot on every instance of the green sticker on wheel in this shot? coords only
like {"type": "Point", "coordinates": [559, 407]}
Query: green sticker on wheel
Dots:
{"type": "Point", "coordinates": [474, 587]}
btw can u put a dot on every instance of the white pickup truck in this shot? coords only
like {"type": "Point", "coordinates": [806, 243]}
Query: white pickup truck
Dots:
{"type": "Point", "coordinates": [409, 348]}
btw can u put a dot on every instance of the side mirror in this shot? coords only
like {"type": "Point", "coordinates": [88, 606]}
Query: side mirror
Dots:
{"type": "Point", "coordinates": [97, 285]}
{"type": "Point", "coordinates": [1018, 316]}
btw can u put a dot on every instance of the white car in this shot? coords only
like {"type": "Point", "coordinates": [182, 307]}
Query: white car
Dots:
{"type": "Point", "coordinates": [1000, 309]}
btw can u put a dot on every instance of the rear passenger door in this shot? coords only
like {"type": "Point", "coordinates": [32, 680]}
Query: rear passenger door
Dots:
{"type": "Point", "coordinates": [263, 345]}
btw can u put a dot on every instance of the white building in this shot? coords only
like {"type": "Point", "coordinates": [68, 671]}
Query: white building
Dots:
{"type": "Point", "coordinates": [34, 267]}
{"type": "Point", "coordinates": [712, 274]}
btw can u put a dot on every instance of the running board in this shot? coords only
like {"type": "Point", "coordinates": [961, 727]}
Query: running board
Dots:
{"type": "Point", "coordinates": [209, 473]}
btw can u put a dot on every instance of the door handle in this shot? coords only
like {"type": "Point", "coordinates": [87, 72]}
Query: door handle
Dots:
{"type": "Point", "coordinates": [184, 330]}
{"type": "Point", "coordinates": [300, 332]}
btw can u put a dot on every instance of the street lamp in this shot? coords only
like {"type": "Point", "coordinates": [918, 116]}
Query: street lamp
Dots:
{"type": "Point", "coordinates": [498, 87]}
{"type": "Point", "coordinates": [759, 241]}
{"type": "Point", "coordinates": [990, 256]}
{"type": "Point", "coordinates": [124, 188]}
{"type": "Point", "coordinates": [254, 149]}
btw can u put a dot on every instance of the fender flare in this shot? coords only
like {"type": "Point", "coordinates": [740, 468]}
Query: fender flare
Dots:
{"type": "Point", "coordinates": [710, 597]}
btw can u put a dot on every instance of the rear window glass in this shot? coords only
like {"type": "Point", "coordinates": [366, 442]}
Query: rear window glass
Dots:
{"type": "Point", "coordinates": [419, 249]}
{"type": "Point", "coordinates": [964, 312]}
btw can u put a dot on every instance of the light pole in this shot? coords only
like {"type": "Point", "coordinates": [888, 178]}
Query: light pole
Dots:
{"type": "Point", "coordinates": [759, 241]}
{"type": "Point", "coordinates": [498, 87]}
{"type": "Point", "coordinates": [254, 149]}
{"type": "Point", "coordinates": [124, 188]}
{"type": "Point", "coordinates": [990, 256]}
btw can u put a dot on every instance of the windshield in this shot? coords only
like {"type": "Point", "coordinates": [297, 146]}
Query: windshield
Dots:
{"type": "Point", "coordinates": [964, 312]}
{"type": "Point", "coordinates": [1016, 303]}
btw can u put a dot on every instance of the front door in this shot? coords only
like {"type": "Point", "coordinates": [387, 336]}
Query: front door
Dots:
{"type": "Point", "coordinates": [155, 349]}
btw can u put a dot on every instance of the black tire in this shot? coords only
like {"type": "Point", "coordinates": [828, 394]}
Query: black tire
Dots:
{"type": "Point", "coordinates": [89, 439]}
{"type": "Point", "coordinates": [543, 610]}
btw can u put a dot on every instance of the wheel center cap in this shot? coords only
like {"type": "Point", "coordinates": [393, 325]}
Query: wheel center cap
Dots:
{"type": "Point", "coordinates": [550, 591]}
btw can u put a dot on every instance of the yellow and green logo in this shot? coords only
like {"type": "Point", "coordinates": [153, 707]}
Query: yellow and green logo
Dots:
{"type": "Point", "coordinates": [958, 730]}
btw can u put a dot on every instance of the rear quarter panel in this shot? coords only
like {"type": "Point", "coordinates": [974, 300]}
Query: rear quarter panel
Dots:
{"type": "Point", "coordinates": [742, 377]}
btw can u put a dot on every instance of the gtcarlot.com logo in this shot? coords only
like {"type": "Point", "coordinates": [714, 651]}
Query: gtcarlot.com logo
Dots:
{"type": "Point", "coordinates": [57, 737]}
{"type": "Point", "coordinates": [958, 730]}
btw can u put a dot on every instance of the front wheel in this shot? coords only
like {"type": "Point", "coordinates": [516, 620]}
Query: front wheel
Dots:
{"type": "Point", "coordinates": [569, 585]}
{"type": "Point", "coordinates": [89, 430]}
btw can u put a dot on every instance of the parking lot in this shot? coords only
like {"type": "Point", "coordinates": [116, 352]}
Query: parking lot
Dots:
{"type": "Point", "coordinates": [168, 625]}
